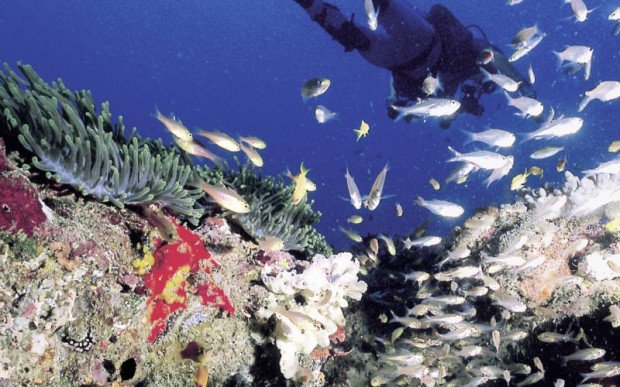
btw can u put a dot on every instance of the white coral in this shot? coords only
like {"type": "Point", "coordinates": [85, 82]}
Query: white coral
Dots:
{"type": "Point", "coordinates": [325, 286]}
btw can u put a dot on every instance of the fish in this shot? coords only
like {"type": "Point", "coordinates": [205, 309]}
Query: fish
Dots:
{"type": "Point", "coordinates": [222, 140]}
{"type": "Point", "coordinates": [376, 191]}
{"type": "Point", "coordinates": [530, 75]}
{"type": "Point", "coordinates": [514, 2]}
{"type": "Point", "coordinates": [441, 207]}
{"type": "Point", "coordinates": [525, 35]}
{"type": "Point", "coordinates": [431, 84]}
{"type": "Point", "coordinates": [254, 142]}
{"type": "Point", "coordinates": [300, 190]}
{"type": "Point", "coordinates": [354, 192]}
{"type": "Point", "coordinates": [499, 173]}
{"type": "Point", "coordinates": [426, 241]}
{"type": "Point", "coordinates": [323, 114]}
{"type": "Point", "coordinates": [374, 245]}
{"type": "Point", "coordinates": [559, 383]}
{"type": "Point", "coordinates": [553, 337]}
{"type": "Point", "coordinates": [532, 263]}
{"type": "Point", "coordinates": [271, 243]}
{"type": "Point", "coordinates": [354, 236]}
{"type": "Point", "coordinates": [399, 210]}
{"type": "Point", "coordinates": [603, 374]}
{"type": "Point", "coordinates": [314, 87]}
{"type": "Point", "coordinates": [580, 11]}
{"type": "Point", "coordinates": [480, 159]}
{"type": "Point", "coordinates": [526, 48]}
{"type": "Point", "coordinates": [389, 243]}
{"type": "Point", "coordinates": [434, 183]}
{"type": "Point", "coordinates": [546, 152]}
{"type": "Point", "coordinates": [614, 15]}
{"type": "Point", "coordinates": [372, 14]}
{"type": "Point", "coordinates": [355, 219]}
{"type": "Point", "coordinates": [164, 225]}
{"type": "Point", "coordinates": [559, 127]}
{"type": "Point", "coordinates": [226, 198]}
{"type": "Point", "coordinates": [460, 173]}
{"type": "Point", "coordinates": [561, 165]}
{"type": "Point", "coordinates": [506, 260]}
{"type": "Point", "coordinates": [604, 92]}
{"type": "Point", "coordinates": [614, 147]}
{"type": "Point", "coordinates": [195, 148]}
{"type": "Point", "coordinates": [611, 167]}
{"type": "Point", "coordinates": [518, 182]}
{"type": "Point", "coordinates": [251, 154]}
{"type": "Point", "coordinates": [460, 272]}
{"type": "Point", "coordinates": [174, 126]}
{"type": "Point", "coordinates": [585, 355]}
{"type": "Point", "coordinates": [310, 185]}
{"type": "Point", "coordinates": [500, 80]}
{"type": "Point", "coordinates": [362, 131]}
{"type": "Point", "coordinates": [528, 107]}
{"type": "Point", "coordinates": [508, 302]}
{"type": "Point", "coordinates": [496, 339]}
{"type": "Point", "coordinates": [613, 225]}
{"type": "Point", "coordinates": [430, 107]}
{"type": "Point", "coordinates": [494, 137]}
{"type": "Point", "coordinates": [537, 171]}
{"type": "Point", "coordinates": [577, 57]}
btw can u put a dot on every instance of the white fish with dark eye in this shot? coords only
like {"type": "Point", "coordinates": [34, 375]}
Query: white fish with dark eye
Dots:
{"type": "Point", "coordinates": [611, 167]}
{"type": "Point", "coordinates": [442, 208]}
{"type": "Point", "coordinates": [376, 191]}
{"type": "Point", "coordinates": [553, 337]}
{"type": "Point", "coordinates": [354, 192]}
{"type": "Point", "coordinates": [372, 14]}
{"type": "Point", "coordinates": [577, 57]}
{"type": "Point", "coordinates": [323, 114]}
{"type": "Point", "coordinates": [443, 319]}
{"type": "Point", "coordinates": [501, 80]}
{"type": "Point", "coordinates": [459, 334]}
{"type": "Point", "coordinates": [508, 302]}
{"type": "Point", "coordinates": [430, 107]}
{"type": "Point", "coordinates": [477, 291]}
{"type": "Point", "coordinates": [602, 374]}
{"type": "Point", "coordinates": [493, 137]}
{"type": "Point", "coordinates": [528, 107]}
{"type": "Point", "coordinates": [499, 173]}
{"type": "Point", "coordinates": [546, 152]}
{"type": "Point", "coordinates": [604, 92]}
{"type": "Point", "coordinates": [560, 127]}
{"type": "Point", "coordinates": [587, 354]}
{"type": "Point", "coordinates": [480, 159]}
{"type": "Point", "coordinates": [525, 49]}
{"type": "Point", "coordinates": [614, 15]}
{"type": "Point", "coordinates": [417, 276]}
{"type": "Point", "coordinates": [579, 10]}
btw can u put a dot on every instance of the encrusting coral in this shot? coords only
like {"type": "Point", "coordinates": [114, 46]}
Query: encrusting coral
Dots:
{"type": "Point", "coordinates": [75, 145]}
{"type": "Point", "coordinates": [272, 212]}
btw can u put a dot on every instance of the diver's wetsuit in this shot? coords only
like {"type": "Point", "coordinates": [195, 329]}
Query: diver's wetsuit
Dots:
{"type": "Point", "coordinates": [411, 45]}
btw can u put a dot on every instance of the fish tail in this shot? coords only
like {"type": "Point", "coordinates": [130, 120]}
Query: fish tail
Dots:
{"type": "Point", "coordinates": [486, 74]}
{"type": "Point", "coordinates": [457, 154]}
{"type": "Point", "coordinates": [584, 102]}
{"type": "Point", "coordinates": [471, 137]}
{"type": "Point", "coordinates": [420, 201]}
{"type": "Point", "coordinates": [559, 57]}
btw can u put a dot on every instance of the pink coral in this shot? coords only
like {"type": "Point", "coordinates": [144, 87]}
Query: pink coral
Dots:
{"type": "Point", "coordinates": [20, 208]}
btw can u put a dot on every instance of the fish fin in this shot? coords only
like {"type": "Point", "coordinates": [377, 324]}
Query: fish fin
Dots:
{"type": "Point", "coordinates": [584, 102]}
{"type": "Point", "coordinates": [470, 136]}
{"type": "Point", "coordinates": [401, 112]}
{"type": "Point", "coordinates": [419, 201]}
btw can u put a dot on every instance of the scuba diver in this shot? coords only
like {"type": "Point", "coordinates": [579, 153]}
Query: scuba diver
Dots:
{"type": "Point", "coordinates": [412, 46]}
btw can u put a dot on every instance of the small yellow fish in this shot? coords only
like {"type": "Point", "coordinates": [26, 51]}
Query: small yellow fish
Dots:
{"type": "Point", "coordinates": [226, 198]}
{"type": "Point", "coordinates": [399, 210]}
{"type": "Point", "coordinates": [193, 147]}
{"type": "Point", "coordinates": [435, 184]}
{"type": "Point", "coordinates": [537, 171]}
{"type": "Point", "coordinates": [251, 154]}
{"type": "Point", "coordinates": [374, 245]}
{"type": "Point", "coordinates": [614, 146]}
{"type": "Point", "coordinates": [314, 87]}
{"type": "Point", "coordinates": [271, 243]}
{"type": "Point", "coordinates": [613, 225]}
{"type": "Point", "coordinates": [222, 140]}
{"type": "Point", "coordinates": [300, 185]}
{"type": "Point", "coordinates": [518, 181]}
{"type": "Point", "coordinates": [363, 130]}
{"type": "Point", "coordinates": [383, 318]}
{"type": "Point", "coordinates": [355, 219]}
{"type": "Point", "coordinates": [397, 333]}
{"type": "Point", "coordinates": [389, 243]}
{"type": "Point", "coordinates": [174, 126]}
{"type": "Point", "coordinates": [355, 237]}
{"type": "Point", "coordinates": [561, 164]}
{"type": "Point", "coordinates": [254, 142]}
{"type": "Point", "coordinates": [310, 185]}
{"type": "Point", "coordinates": [164, 225]}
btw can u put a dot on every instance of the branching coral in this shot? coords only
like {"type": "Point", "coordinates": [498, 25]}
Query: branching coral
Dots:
{"type": "Point", "coordinates": [75, 145]}
{"type": "Point", "coordinates": [272, 212]}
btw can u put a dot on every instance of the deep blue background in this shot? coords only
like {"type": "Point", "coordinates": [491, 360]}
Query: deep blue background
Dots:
{"type": "Point", "coordinates": [237, 66]}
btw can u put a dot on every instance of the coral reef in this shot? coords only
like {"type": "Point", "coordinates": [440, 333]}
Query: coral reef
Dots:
{"type": "Point", "coordinates": [73, 144]}
{"type": "Point", "coordinates": [308, 308]}
{"type": "Point", "coordinates": [272, 212]}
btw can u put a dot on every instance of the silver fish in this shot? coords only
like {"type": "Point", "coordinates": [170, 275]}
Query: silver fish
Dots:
{"type": "Point", "coordinates": [430, 107]}
{"type": "Point", "coordinates": [374, 197]}
{"type": "Point", "coordinates": [441, 207]}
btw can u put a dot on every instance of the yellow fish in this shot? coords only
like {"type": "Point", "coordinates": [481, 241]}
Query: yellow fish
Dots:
{"type": "Point", "coordinates": [613, 225]}
{"type": "Point", "coordinates": [435, 184]}
{"type": "Point", "coordinates": [355, 219]}
{"type": "Point", "coordinates": [355, 237]}
{"type": "Point", "coordinates": [254, 142]}
{"type": "Point", "coordinates": [222, 140]}
{"type": "Point", "coordinates": [399, 210]}
{"type": "Point", "coordinates": [300, 185]}
{"type": "Point", "coordinates": [519, 181]}
{"type": "Point", "coordinates": [363, 130]}
{"type": "Point", "coordinates": [614, 146]}
{"type": "Point", "coordinates": [251, 154]}
{"type": "Point", "coordinates": [310, 185]}
{"type": "Point", "coordinates": [561, 164]}
{"type": "Point", "coordinates": [193, 147]}
{"type": "Point", "coordinates": [271, 243]}
{"type": "Point", "coordinates": [226, 198]}
{"type": "Point", "coordinates": [174, 126]}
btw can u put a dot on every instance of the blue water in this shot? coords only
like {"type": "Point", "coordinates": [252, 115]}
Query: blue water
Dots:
{"type": "Point", "coordinates": [238, 67]}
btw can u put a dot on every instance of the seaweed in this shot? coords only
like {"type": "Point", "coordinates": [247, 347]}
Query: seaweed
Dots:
{"type": "Point", "coordinates": [272, 212]}
{"type": "Point", "coordinates": [73, 144]}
